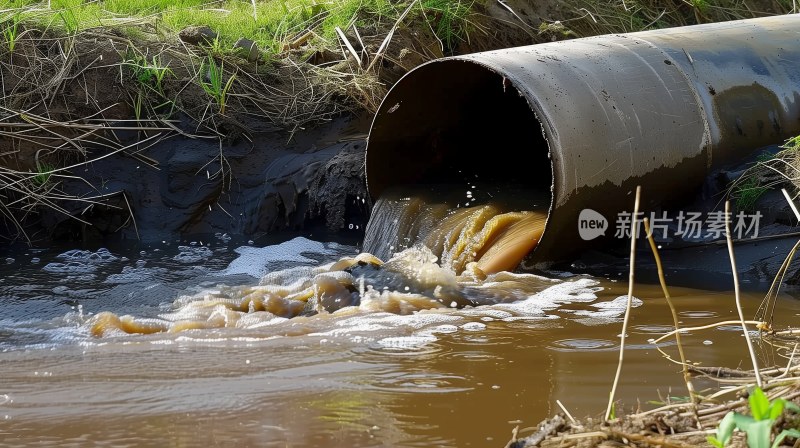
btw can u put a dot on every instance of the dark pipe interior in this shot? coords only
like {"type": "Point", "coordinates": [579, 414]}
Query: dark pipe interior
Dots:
{"type": "Point", "coordinates": [454, 121]}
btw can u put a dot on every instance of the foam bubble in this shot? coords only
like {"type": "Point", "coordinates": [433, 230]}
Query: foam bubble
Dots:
{"type": "Point", "coordinates": [579, 291]}
{"type": "Point", "coordinates": [620, 303]}
{"type": "Point", "coordinates": [102, 255]}
{"type": "Point", "coordinates": [191, 254]}
{"type": "Point", "coordinates": [255, 261]}
{"type": "Point", "coordinates": [405, 342]}
{"type": "Point", "coordinates": [474, 326]}
{"type": "Point", "coordinates": [70, 267]}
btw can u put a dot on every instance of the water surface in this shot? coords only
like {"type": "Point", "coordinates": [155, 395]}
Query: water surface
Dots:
{"type": "Point", "coordinates": [357, 376]}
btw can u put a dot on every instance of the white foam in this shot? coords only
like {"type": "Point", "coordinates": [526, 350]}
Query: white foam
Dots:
{"type": "Point", "coordinates": [474, 326]}
{"type": "Point", "coordinates": [254, 261]}
{"type": "Point", "coordinates": [444, 329]}
{"type": "Point", "coordinates": [612, 309]}
{"type": "Point", "coordinates": [406, 342]}
{"type": "Point", "coordinates": [102, 255]}
{"type": "Point", "coordinates": [579, 291]}
{"type": "Point", "coordinates": [80, 261]}
{"type": "Point", "coordinates": [620, 303]}
{"type": "Point", "coordinates": [70, 267]}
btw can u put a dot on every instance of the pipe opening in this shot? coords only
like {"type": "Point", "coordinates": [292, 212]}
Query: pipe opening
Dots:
{"type": "Point", "coordinates": [454, 121]}
{"type": "Point", "coordinates": [457, 162]}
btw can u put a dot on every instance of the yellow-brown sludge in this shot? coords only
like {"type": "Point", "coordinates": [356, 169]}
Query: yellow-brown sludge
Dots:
{"type": "Point", "coordinates": [436, 256]}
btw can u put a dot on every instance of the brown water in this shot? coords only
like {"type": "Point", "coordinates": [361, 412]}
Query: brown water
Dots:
{"type": "Point", "coordinates": [431, 343]}
{"type": "Point", "coordinates": [403, 368]}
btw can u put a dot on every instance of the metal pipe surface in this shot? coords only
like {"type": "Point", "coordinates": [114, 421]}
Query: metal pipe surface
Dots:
{"type": "Point", "coordinates": [599, 116]}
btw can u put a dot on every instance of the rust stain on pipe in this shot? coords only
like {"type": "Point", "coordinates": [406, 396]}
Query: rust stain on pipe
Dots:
{"type": "Point", "coordinates": [600, 115]}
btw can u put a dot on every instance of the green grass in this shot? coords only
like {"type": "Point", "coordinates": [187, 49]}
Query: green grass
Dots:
{"type": "Point", "coordinates": [42, 177]}
{"type": "Point", "coordinates": [212, 80]}
{"type": "Point", "coordinates": [270, 23]}
{"type": "Point", "coordinates": [772, 170]}
{"type": "Point", "coordinates": [793, 144]}
{"type": "Point", "coordinates": [11, 32]}
{"type": "Point", "coordinates": [747, 193]}
{"type": "Point", "coordinates": [449, 21]}
{"type": "Point", "coordinates": [148, 74]}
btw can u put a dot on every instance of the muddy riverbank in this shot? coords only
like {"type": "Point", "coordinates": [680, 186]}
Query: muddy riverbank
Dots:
{"type": "Point", "coordinates": [166, 265]}
{"type": "Point", "coordinates": [116, 133]}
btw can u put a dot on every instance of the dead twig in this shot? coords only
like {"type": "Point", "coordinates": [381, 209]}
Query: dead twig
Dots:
{"type": "Point", "coordinates": [737, 293]}
{"type": "Point", "coordinates": [634, 228]}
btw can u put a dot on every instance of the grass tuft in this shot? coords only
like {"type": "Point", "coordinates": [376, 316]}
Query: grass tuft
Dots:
{"type": "Point", "coordinates": [771, 171]}
{"type": "Point", "coordinates": [211, 79]}
{"type": "Point", "coordinates": [11, 31]}
{"type": "Point", "coordinates": [42, 177]}
{"type": "Point", "coordinates": [449, 20]}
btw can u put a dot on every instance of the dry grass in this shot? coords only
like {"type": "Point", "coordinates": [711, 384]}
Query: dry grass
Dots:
{"type": "Point", "coordinates": [82, 79]}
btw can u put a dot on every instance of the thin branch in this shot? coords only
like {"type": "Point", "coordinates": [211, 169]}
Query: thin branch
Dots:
{"type": "Point", "coordinates": [634, 226]}
{"type": "Point", "coordinates": [737, 293]}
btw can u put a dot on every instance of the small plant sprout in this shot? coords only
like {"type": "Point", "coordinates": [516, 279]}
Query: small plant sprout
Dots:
{"type": "Point", "coordinates": [11, 32]}
{"type": "Point", "coordinates": [211, 79]}
{"type": "Point", "coordinates": [148, 74]}
{"type": "Point", "coordinates": [758, 427]}
{"type": "Point", "coordinates": [43, 173]}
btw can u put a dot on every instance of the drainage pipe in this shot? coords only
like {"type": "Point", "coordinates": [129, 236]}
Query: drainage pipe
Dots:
{"type": "Point", "coordinates": [597, 116]}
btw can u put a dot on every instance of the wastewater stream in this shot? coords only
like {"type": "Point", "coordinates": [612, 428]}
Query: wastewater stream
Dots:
{"type": "Point", "coordinates": [302, 341]}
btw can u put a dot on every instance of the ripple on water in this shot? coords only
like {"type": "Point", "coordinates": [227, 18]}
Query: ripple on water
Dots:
{"type": "Point", "coordinates": [423, 382]}
{"type": "Point", "coordinates": [698, 314]}
{"type": "Point", "coordinates": [652, 329]}
{"type": "Point", "coordinates": [582, 345]}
